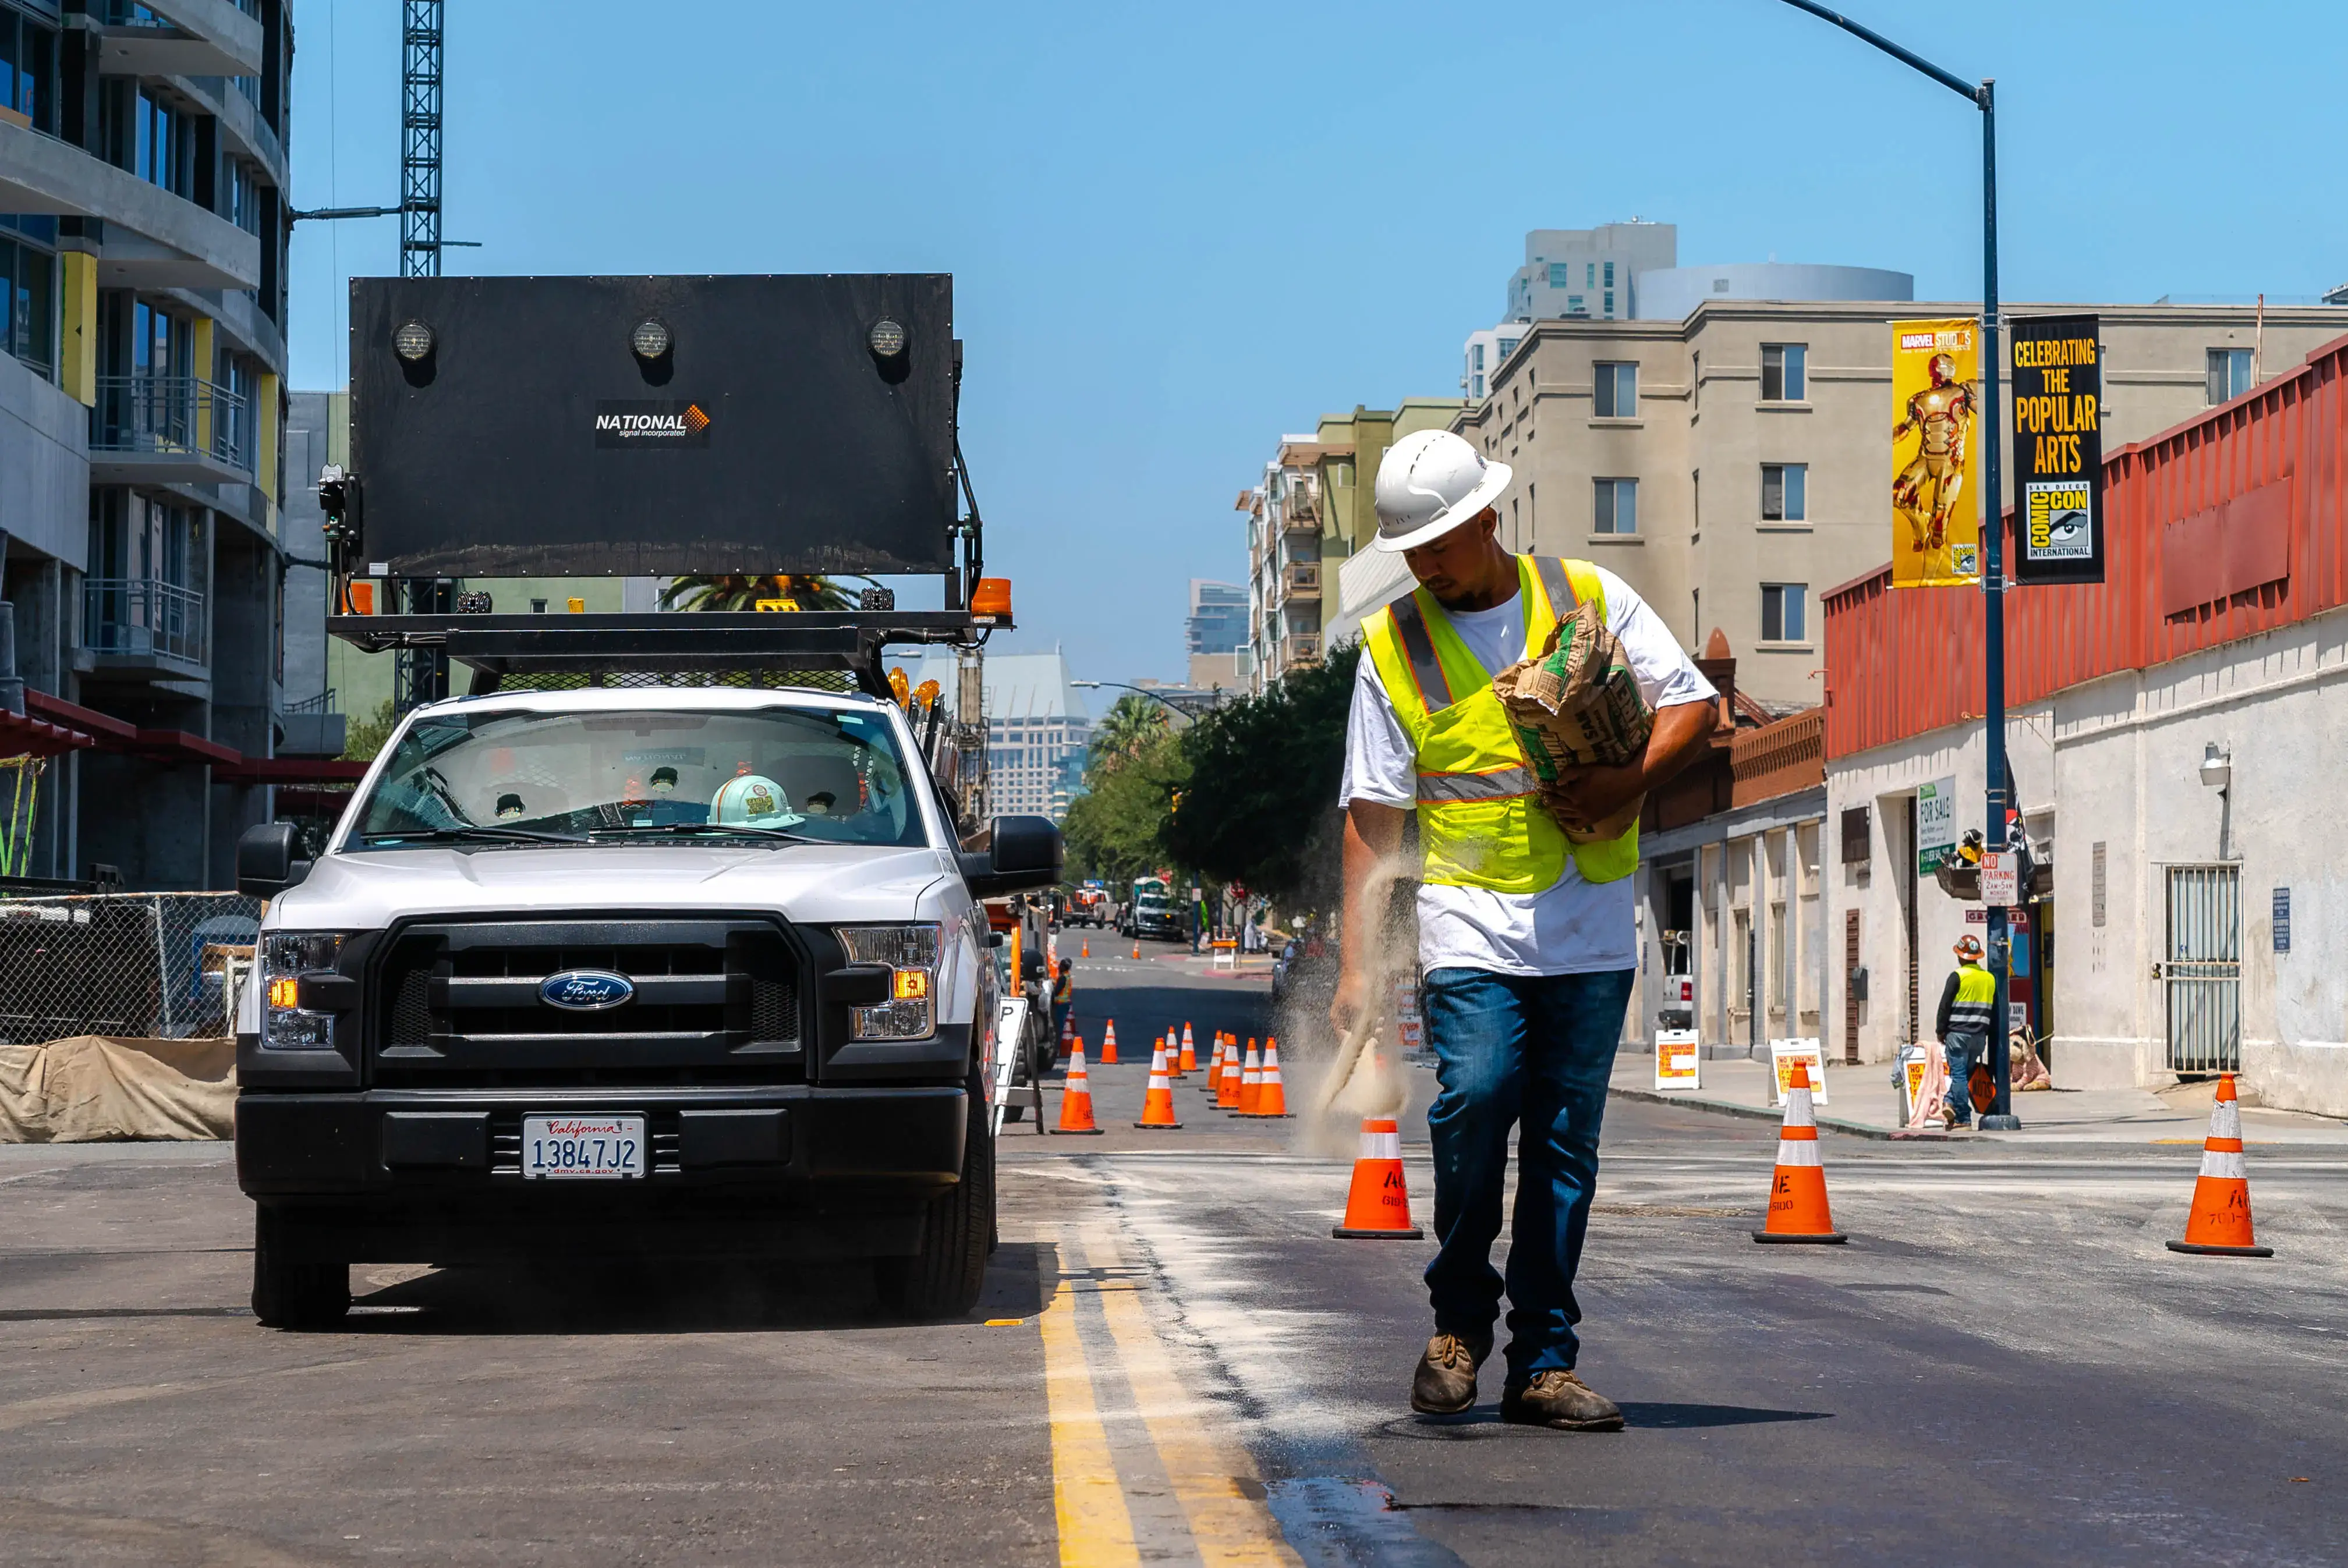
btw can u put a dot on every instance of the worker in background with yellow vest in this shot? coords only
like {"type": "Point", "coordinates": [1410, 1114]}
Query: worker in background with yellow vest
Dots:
{"type": "Point", "coordinates": [1967, 1003]}
{"type": "Point", "coordinates": [1526, 940]}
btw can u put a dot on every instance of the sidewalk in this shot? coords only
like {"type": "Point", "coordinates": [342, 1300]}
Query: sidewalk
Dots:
{"type": "Point", "coordinates": [1862, 1102]}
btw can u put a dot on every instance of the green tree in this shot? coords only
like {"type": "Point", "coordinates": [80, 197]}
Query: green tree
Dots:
{"type": "Point", "coordinates": [1260, 775]}
{"type": "Point", "coordinates": [364, 737]}
{"type": "Point", "coordinates": [739, 590]}
{"type": "Point", "coordinates": [1132, 719]}
{"type": "Point", "coordinates": [1116, 829]}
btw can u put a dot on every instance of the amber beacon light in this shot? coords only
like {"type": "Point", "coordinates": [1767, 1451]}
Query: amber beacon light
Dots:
{"type": "Point", "coordinates": [992, 597]}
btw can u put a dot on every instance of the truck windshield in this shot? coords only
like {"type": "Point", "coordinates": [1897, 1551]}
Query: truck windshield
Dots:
{"type": "Point", "coordinates": [783, 773]}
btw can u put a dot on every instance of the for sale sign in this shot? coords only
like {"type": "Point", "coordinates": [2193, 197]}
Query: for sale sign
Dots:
{"type": "Point", "coordinates": [2058, 450]}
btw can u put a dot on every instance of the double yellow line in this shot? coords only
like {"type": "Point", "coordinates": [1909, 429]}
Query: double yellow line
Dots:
{"type": "Point", "coordinates": [1138, 1465]}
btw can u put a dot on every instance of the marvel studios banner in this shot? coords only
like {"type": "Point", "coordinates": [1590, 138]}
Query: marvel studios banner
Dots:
{"type": "Point", "coordinates": [1935, 456]}
{"type": "Point", "coordinates": [2058, 450]}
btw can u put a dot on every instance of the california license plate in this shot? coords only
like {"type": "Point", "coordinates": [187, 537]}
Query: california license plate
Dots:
{"type": "Point", "coordinates": [587, 1148]}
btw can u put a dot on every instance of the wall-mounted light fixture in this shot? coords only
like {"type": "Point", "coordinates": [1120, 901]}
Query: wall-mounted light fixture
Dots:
{"type": "Point", "coordinates": [2217, 767]}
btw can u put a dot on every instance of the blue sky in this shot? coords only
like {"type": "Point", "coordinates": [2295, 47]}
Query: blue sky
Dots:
{"type": "Point", "coordinates": [1179, 231]}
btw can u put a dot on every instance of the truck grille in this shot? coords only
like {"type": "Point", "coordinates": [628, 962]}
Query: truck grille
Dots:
{"type": "Point", "coordinates": [714, 1001]}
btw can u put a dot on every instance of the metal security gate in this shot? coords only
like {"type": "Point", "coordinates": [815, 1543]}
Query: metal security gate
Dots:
{"type": "Point", "coordinates": [2203, 972]}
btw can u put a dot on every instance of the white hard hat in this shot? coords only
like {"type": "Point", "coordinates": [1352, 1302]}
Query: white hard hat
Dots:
{"type": "Point", "coordinates": [748, 800]}
{"type": "Point", "coordinates": [1430, 482]}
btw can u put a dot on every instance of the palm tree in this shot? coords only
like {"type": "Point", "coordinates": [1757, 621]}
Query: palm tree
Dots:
{"type": "Point", "coordinates": [737, 591]}
{"type": "Point", "coordinates": [1130, 720]}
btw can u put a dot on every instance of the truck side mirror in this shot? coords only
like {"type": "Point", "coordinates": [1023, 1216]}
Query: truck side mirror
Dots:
{"type": "Point", "coordinates": [1024, 852]}
{"type": "Point", "coordinates": [265, 861]}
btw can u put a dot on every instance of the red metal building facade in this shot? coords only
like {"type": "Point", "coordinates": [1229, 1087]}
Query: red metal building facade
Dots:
{"type": "Point", "coordinates": [2230, 525]}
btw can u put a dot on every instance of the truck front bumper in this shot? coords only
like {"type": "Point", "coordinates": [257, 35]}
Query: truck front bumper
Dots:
{"type": "Point", "coordinates": [432, 1175]}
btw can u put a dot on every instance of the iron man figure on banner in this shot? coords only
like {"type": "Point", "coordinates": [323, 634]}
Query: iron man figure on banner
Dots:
{"type": "Point", "coordinates": [1926, 489]}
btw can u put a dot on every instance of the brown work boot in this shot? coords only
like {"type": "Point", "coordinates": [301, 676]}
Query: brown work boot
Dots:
{"type": "Point", "coordinates": [1444, 1383]}
{"type": "Point", "coordinates": [1562, 1400]}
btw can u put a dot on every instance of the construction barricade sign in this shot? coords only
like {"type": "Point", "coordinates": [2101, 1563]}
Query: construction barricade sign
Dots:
{"type": "Point", "coordinates": [1936, 463]}
{"type": "Point", "coordinates": [1913, 1069]}
{"type": "Point", "coordinates": [1783, 1055]}
{"type": "Point", "coordinates": [1677, 1059]}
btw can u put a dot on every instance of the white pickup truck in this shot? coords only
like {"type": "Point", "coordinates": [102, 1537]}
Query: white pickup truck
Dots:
{"type": "Point", "coordinates": [607, 973]}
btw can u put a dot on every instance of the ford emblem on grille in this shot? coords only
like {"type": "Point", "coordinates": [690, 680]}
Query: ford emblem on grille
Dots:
{"type": "Point", "coordinates": [586, 990]}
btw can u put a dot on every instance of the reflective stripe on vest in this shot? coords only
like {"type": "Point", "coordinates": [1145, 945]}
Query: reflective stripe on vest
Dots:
{"type": "Point", "coordinates": [1974, 1008]}
{"type": "Point", "coordinates": [1480, 822]}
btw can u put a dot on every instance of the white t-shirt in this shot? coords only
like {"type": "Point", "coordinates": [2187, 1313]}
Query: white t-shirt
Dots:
{"type": "Point", "coordinates": [1574, 926]}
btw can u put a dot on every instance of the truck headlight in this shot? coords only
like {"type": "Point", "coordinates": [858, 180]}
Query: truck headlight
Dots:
{"type": "Point", "coordinates": [286, 956]}
{"type": "Point", "coordinates": [911, 954]}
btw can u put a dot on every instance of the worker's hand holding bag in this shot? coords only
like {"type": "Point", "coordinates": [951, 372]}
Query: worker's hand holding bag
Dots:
{"type": "Point", "coordinates": [1578, 715]}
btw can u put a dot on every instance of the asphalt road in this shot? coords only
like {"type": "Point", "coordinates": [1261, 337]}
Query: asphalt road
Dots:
{"type": "Point", "coordinates": [1175, 1363]}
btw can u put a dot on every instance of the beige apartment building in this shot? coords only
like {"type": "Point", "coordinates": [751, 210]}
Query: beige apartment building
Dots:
{"type": "Point", "coordinates": [1733, 465]}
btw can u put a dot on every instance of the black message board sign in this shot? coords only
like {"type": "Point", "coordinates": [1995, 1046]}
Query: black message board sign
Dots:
{"type": "Point", "coordinates": [2058, 450]}
{"type": "Point", "coordinates": [519, 427]}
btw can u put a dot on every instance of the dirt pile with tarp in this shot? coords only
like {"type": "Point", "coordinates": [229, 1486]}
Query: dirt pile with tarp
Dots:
{"type": "Point", "coordinates": [95, 1088]}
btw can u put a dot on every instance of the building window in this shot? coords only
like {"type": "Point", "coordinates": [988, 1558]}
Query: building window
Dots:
{"type": "Point", "coordinates": [1590, 274]}
{"type": "Point", "coordinates": [242, 207]}
{"type": "Point", "coordinates": [1479, 386]}
{"type": "Point", "coordinates": [1783, 492]}
{"type": "Point", "coordinates": [1616, 390]}
{"type": "Point", "coordinates": [1781, 611]}
{"type": "Point", "coordinates": [2229, 375]}
{"type": "Point", "coordinates": [1618, 507]}
{"type": "Point", "coordinates": [1574, 307]}
{"type": "Point", "coordinates": [1479, 357]}
{"type": "Point", "coordinates": [1560, 275]}
{"type": "Point", "coordinates": [1610, 274]}
{"type": "Point", "coordinates": [29, 296]}
{"type": "Point", "coordinates": [1508, 347]}
{"type": "Point", "coordinates": [29, 72]}
{"type": "Point", "coordinates": [1784, 372]}
{"type": "Point", "coordinates": [1610, 302]}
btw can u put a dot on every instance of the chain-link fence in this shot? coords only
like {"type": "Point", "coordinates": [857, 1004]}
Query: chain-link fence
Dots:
{"type": "Point", "coordinates": [147, 966]}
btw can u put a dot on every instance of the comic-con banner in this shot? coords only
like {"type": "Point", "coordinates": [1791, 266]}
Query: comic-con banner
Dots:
{"type": "Point", "coordinates": [1935, 453]}
{"type": "Point", "coordinates": [2058, 450]}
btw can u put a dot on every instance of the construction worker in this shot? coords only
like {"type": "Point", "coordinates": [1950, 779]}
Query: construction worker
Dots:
{"type": "Point", "coordinates": [1063, 996]}
{"type": "Point", "coordinates": [1527, 940]}
{"type": "Point", "coordinates": [1967, 1004]}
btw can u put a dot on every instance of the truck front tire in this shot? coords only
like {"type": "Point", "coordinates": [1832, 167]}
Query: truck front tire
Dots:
{"type": "Point", "coordinates": [297, 1283]}
{"type": "Point", "coordinates": [944, 1278]}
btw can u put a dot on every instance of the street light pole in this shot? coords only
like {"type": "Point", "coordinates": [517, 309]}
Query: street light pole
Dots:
{"type": "Point", "coordinates": [1143, 691]}
{"type": "Point", "coordinates": [1983, 96]}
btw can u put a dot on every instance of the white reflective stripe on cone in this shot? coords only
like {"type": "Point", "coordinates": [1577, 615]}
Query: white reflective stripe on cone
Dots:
{"type": "Point", "coordinates": [2226, 1162]}
{"type": "Point", "coordinates": [1798, 1110]}
{"type": "Point", "coordinates": [1381, 1145]}
{"type": "Point", "coordinates": [1796, 1152]}
{"type": "Point", "coordinates": [2226, 1120]}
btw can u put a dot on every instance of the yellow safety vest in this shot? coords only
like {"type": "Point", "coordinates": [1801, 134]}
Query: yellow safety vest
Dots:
{"type": "Point", "coordinates": [1479, 822]}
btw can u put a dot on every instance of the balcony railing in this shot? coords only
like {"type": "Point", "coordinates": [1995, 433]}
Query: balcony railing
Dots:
{"type": "Point", "coordinates": [171, 414]}
{"type": "Point", "coordinates": [1301, 511]}
{"type": "Point", "coordinates": [1300, 579]}
{"type": "Point", "coordinates": [143, 617]}
{"type": "Point", "coordinates": [1303, 647]}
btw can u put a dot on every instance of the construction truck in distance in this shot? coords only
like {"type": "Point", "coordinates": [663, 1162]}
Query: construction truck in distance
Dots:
{"type": "Point", "coordinates": [664, 937]}
{"type": "Point", "coordinates": [1153, 912]}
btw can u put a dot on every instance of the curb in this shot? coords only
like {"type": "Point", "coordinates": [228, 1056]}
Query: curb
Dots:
{"type": "Point", "coordinates": [1749, 1112]}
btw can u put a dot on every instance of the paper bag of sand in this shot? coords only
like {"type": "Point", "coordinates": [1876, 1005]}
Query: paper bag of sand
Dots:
{"type": "Point", "coordinates": [1576, 703]}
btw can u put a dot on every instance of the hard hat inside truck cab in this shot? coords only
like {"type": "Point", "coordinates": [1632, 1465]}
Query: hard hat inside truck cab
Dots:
{"type": "Point", "coordinates": [751, 799]}
{"type": "Point", "coordinates": [1430, 482]}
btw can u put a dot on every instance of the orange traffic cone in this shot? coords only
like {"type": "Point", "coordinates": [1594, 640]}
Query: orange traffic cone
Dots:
{"type": "Point", "coordinates": [2221, 1221]}
{"type": "Point", "coordinates": [1173, 1057]}
{"type": "Point", "coordinates": [1067, 1030]}
{"type": "Point", "coordinates": [1136, 950]}
{"type": "Point", "coordinates": [1270, 1098]}
{"type": "Point", "coordinates": [1378, 1205]}
{"type": "Point", "coordinates": [1076, 1097]}
{"type": "Point", "coordinates": [1250, 1081]}
{"type": "Point", "coordinates": [1086, 951]}
{"type": "Point", "coordinates": [1108, 1043]}
{"type": "Point", "coordinates": [1214, 1068]}
{"type": "Point", "coordinates": [1798, 1190]}
{"type": "Point", "coordinates": [1189, 1060]}
{"type": "Point", "coordinates": [1227, 1087]}
{"type": "Point", "coordinates": [1158, 1103]}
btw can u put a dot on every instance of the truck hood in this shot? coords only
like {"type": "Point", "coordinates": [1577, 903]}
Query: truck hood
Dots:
{"type": "Point", "coordinates": [806, 883]}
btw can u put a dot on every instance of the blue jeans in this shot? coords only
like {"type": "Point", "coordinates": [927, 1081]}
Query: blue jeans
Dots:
{"type": "Point", "coordinates": [1535, 1048]}
{"type": "Point", "coordinates": [1962, 1050]}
